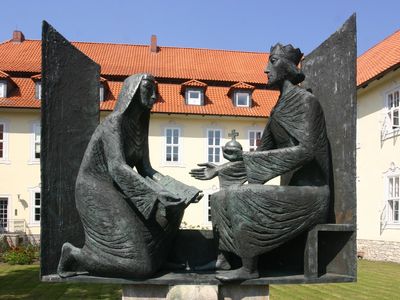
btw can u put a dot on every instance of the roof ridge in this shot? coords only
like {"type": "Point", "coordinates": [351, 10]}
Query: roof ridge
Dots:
{"type": "Point", "coordinates": [5, 41]}
{"type": "Point", "coordinates": [380, 42]}
{"type": "Point", "coordinates": [145, 45]}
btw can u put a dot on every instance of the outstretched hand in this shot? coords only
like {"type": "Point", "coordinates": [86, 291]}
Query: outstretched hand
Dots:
{"type": "Point", "coordinates": [208, 171]}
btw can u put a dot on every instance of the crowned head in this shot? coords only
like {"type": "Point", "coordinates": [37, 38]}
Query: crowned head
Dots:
{"type": "Point", "coordinates": [289, 52]}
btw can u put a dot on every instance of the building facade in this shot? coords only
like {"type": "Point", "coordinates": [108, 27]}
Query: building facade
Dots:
{"type": "Point", "coordinates": [202, 96]}
{"type": "Point", "coordinates": [378, 150]}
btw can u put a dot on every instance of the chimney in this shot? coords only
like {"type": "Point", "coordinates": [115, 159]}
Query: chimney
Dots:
{"type": "Point", "coordinates": [153, 44]}
{"type": "Point", "coordinates": [18, 37]}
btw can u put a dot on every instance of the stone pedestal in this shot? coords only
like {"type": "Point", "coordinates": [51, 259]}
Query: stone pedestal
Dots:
{"type": "Point", "coordinates": [195, 292]}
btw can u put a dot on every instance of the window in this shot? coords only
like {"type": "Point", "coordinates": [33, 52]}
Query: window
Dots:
{"type": "Point", "coordinates": [214, 145]}
{"type": "Point", "coordinates": [242, 99]}
{"type": "Point", "coordinates": [194, 96]}
{"type": "Point", "coordinates": [254, 139]}
{"type": "Point", "coordinates": [36, 202]}
{"type": "Point", "coordinates": [172, 145]}
{"type": "Point", "coordinates": [3, 213]}
{"type": "Point", "coordinates": [38, 90]}
{"type": "Point", "coordinates": [3, 142]}
{"type": "Point", "coordinates": [36, 207]}
{"type": "Point", "coordinates": [101, 93]}
{"type": "Point", "coordinates": [2, 138]}
{"type": "Point", "coordinates": [393, 108]}
{"type": "Point", "coordinates": [393, 200]}
{"type": "Point", "coordinates": [35, 155]}
{"type": "Point", "coordinates": [3, 89]}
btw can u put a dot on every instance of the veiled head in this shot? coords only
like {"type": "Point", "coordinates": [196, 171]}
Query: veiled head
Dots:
{"type": "Point", "coordinates": [138, 87]}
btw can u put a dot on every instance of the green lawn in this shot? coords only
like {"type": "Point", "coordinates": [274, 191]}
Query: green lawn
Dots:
{"type": "Point", "coordinates": [22, 282]}
{"type": "Point", "coordinates": [376, 280]}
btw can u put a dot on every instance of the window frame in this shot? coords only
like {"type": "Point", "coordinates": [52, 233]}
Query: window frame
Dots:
{"type": "Point", "coordinates": [200, 99]}
{"type": "Point", "coordinates": [33, 206]}
{"type": "Point", "coordinates": [213, 146]}
{"type": "Point", "coordinates": [392, 173]}
{"type": "Point", "coordinates": [5, 142]}
{"type": "Point", "coordinates": [394, 198]}
{"type": "Point", "coordinates": [3, 88]}
{"type": "Point", "coordinates": [33, 159]}
{"type": "Point", "coordinates": [102, 92]}
{"type": "Point", "coordinates": [389, 129]}
{"type": "Point", "coordinates": [255, 131]}
{"type": "Point", "coordinates": [38, 90]}
{"type": "Point", "coordinates": [172, 144]}
{"type": "Point", "coordinates": [9, 209]}
{"type": "Point", "coordinates": [236, 98]}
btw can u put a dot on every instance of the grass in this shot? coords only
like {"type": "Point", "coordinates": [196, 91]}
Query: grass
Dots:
{"type": "Point", "coordinates": [22, 282]}
{"type": "Point", "coordinates": [376, 280]}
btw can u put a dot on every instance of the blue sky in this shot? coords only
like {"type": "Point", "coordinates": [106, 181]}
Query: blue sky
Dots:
{"type": "Point", "coordinates": [246, 25]}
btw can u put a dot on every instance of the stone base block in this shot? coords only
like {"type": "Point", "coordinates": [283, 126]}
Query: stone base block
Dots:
{"type": "Point", "coordinates": [195, 292]}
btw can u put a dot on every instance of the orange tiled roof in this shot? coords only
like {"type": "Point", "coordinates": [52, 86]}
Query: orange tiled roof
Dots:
{"type": "Point", "coordinates": [382, 57]}
{"type": "Point", "coordinates": [22, 96]}
{"type": "Point", "coordinates": [37, 77]}
{"type": "Point", "coordinates": [243, 86]}
{"type": "Point", "coordinates": [216, 102]}
{"type": "Point", "coordinates": [4, 75]}
{"type": "Point", "coordinates": [193, 83]}
{"type": "Point", "coordinates": [240, 86]}
{"type": "Point", "coordinates": [168, 62]}
{"type": "Point", "coordinates": [169, 101]}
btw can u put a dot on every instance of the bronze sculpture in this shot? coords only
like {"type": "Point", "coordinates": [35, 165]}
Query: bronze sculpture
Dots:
{"type": "Point", "coordinates": [252, 219]}
{"type": "Point", "coordinates": [129, 217]}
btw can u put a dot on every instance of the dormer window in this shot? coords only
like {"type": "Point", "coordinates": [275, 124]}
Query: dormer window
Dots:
{"type": "Point", "coordinates": [38, 90]}
{"type": "Point", "coordinates": [3, 89]}
{"type": "Point", "coordinates": [101, 93]}
{"type": "Point", "coordinates": [194, 96]}
{"type": "Point", "coordinates": [240, 94]}
{"type": "Point", "coordinates": [38, 85]}
{"type": "Point", "coordinates": [103, 89]}
{"type": "Point", "coordinates": [194, 91]}
{"type": "Point", "coordinates": [242, 99]}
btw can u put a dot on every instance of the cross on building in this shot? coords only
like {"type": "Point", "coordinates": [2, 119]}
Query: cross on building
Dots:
{"type": "Point", "coordinates": [233, 134]}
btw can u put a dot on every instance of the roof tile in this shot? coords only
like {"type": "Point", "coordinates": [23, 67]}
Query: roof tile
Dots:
{"type": "Point", "coordinates": [169, 100]}
{"type": "Point", "coordinates": [168, 62]}
{"type": "Point", "coordinates": [378, 59]}
{"type": "Point", "coordinates": [4, 75]}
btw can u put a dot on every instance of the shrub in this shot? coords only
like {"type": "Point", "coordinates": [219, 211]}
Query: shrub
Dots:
{"type": "Point", "coordinates": [3, 247]}
{"type": "Point", "coordinates": [19, 256]}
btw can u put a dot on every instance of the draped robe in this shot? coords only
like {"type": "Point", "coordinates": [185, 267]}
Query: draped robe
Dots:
{"type": "Point", "coordinates": [252, 219]}
{"type": "Point", "coordinates": [124, 234]}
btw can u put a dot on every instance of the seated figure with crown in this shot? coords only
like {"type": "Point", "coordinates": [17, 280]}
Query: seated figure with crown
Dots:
{"type": "Point", "coordinates": [251, 218]}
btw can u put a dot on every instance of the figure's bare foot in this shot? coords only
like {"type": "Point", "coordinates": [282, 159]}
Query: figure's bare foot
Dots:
{"type": "Point", "coordinates": [67, 259]}
{"type": "Point", "coordinates": [238, 275]}
{"type": "Point", "coordinates": [222, 263]}
{"type": "Point", "coordinates": [65, 274]}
